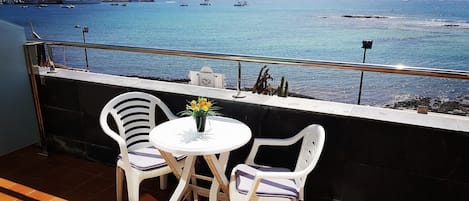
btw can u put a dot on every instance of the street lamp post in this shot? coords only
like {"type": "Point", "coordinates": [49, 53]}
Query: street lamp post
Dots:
{"type": "Point", "coordinates": [83, 31]}
{"type": "Point", "coordinates": [366, 44]}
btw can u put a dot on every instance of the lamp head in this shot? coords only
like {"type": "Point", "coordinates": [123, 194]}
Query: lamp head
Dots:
{"type": "Point", "coordinates": [367, 44]}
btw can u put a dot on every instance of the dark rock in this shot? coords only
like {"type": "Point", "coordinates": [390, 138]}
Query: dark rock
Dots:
{"type": "Point", "coordinates": [182, 80]}
{"type": "Point", "coordinates": [365, 16]}
{"type": "Point", "coordinates": [451, 25]}
{"type": "Point", "coordinates": [448, 106]}
{"type": "Point", "coordinates": [412, 103]}
{"type": "Point", "coordinates": [458, 106]}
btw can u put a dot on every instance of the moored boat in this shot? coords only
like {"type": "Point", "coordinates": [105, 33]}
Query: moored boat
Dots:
{"type": "Point", "coordinates": [241, 3]}
{"type": "Point", "coordinates": [68, 6]}
{"type": "Point", "coordinates": [206, 3]}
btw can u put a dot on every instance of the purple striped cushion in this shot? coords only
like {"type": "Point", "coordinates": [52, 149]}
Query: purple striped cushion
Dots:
{"type": "Point", "coordinates": [268, 187]}
{"type": "Point", "coordinates": [147, 158]}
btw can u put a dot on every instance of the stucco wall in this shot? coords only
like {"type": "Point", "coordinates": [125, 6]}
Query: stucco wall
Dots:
{"type": "Point", "coordinates": [18, 124]}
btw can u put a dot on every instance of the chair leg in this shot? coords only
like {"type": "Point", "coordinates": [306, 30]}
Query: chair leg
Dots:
{"type": "Point", "coordinates": [302, 195]}
{"type": "Point", "coordinates": [133, 188]}
{"type": "Point", "coordinates": [119, 182]}
{"type": "Point", "coordinates": [164, 182]}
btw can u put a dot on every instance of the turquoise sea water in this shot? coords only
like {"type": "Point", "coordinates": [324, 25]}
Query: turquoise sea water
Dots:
{"type": "Point", "coordinates": [414, 34]}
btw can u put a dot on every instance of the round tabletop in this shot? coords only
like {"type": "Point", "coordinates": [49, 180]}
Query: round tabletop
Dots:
{"type": "Point", "coordinates": [180, 136]}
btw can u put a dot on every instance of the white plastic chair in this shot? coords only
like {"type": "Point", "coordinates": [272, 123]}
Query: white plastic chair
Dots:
{"type": "Point", "coordinates": [207, 78]}
{"type": "Point", "coordinates": [251, 181]}
{"type": "Point", "coordinates": [134, 115]}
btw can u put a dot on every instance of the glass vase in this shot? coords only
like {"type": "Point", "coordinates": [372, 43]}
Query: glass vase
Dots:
{"type": "Point", "coordinates": [200, 123]}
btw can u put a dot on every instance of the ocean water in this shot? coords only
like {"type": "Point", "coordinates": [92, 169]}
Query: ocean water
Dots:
{"type": "Point", "coordinates": [415, 33]}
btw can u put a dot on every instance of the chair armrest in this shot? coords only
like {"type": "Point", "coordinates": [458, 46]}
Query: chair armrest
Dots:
{"type": "Point", "coordinates": [116, 137]}
{"type": "Point", "coordinates": [279, 175]}
{"type": "Point", "coordinates": [269, 142]}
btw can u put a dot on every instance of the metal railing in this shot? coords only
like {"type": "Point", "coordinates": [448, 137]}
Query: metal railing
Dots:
{"type": "Point", "coordinates": [367, 67]}
{"type": "Point", "coordinates": [362, 67]}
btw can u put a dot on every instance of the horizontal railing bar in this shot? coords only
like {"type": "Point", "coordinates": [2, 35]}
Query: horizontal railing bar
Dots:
{"type": "Point", "coordinates": [379, 68]}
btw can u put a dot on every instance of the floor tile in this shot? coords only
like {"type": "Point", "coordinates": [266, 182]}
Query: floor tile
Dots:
{"type": "Point", "coordinates": [6, 183]}
{"type": "Point", "coordinates": [57, 199]}
{"type": "Point", "coordinates": [5, 197]}
{"type": "Point", "coordinates": [41, 196]}
{"type": "Point", "coordinates": [64, 177]}
{"type": "Point", "coordinates": [21, 189]}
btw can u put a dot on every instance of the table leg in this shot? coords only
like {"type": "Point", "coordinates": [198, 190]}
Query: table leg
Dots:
{"type": "Point", "coordinates": [185, 179]}
{"type": "Point", "coordinates": [214, 189]}
{"type": "Point", "coordinates": [194, 182]}
{"type": "Point", "coordinates": [172, 163]}
{"type": "Point", "coordinates": [218, 167]}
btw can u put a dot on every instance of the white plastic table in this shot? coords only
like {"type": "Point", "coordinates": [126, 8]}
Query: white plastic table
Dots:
{"type": "Point", "coordinates": [180, 136]}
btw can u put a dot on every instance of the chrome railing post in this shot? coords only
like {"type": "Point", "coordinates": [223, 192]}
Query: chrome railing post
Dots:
{"type": "Point", "coordinates": [31, 53]}
{"type": "Point", "coordinates": [238, 86]}
{"type": "Point", "coordinates": [50, 60]}
{"type": "Point", "coordinates": [63, 54]}
{"type": "Point", "coordinates": [85, 30]}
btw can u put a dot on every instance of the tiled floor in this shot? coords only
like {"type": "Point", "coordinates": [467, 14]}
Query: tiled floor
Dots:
{"type": "Point", "coordinates": [25, 175]}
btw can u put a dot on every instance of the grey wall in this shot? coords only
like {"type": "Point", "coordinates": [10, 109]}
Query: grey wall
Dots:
{"type": "Point", "coordinates": [18, 124]}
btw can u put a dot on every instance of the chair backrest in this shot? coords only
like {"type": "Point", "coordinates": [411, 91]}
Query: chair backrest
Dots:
{"type": "Point", "coordinates": [134, 114]}
{"type": "Point", "coordinates": [311, 148]}
{"type": "Point", "coordinates": [207, 78]}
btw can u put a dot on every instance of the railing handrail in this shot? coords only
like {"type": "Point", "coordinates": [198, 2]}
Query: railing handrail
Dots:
{"type": "Point", "coordinates": [380, 68]}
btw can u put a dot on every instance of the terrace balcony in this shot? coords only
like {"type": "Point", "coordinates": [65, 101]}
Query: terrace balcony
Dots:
{"type": "Point", "coordinates": [370, 153]}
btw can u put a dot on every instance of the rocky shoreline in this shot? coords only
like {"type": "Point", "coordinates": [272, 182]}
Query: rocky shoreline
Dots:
{"type": "Point", "coordinates": [457, 106]}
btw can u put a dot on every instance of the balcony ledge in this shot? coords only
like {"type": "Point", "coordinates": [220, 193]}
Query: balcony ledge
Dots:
{"type": "Point", "coordinates": [407, 117]}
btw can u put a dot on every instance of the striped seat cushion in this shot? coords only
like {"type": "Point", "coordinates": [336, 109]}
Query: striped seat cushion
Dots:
{"type": "Point", "coordinates": [268, 187]}
{"type": "Point", "coordinates": [147, 158]}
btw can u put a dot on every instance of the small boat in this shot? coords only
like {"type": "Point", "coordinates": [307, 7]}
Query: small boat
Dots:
{"type": "Point", "coordinates": [114, 4]}
{"type": "Point", "coordinates": [206, 3]}
{"type": "Point", "coordinates": [124, 4]}
{"type": "Point", "coordinates": [184, 4]}
{"type": "Point", "coordinates": [68, 6]}
{"type": "Point", "coordinates": [241, 3]}
{"type": "Point", "coordinates": [24, 6]}
{"type": "Point", "coordinates": [42, 5]}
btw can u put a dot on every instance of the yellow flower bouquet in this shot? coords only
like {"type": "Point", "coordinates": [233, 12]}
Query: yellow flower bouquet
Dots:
{"type": "Point", "coordinates": [200, 109]}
